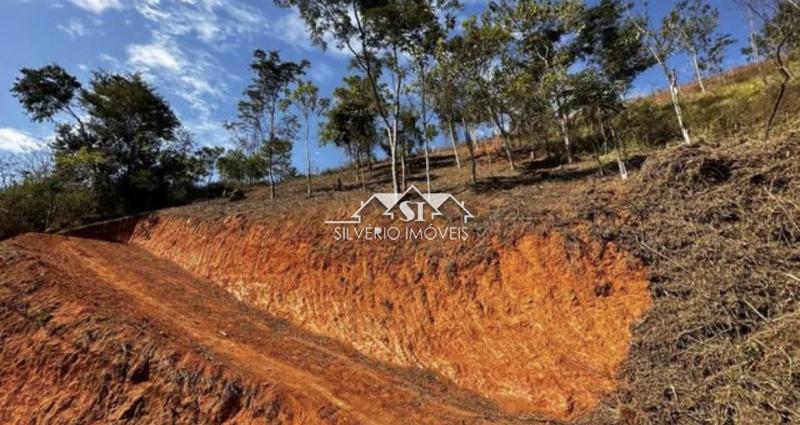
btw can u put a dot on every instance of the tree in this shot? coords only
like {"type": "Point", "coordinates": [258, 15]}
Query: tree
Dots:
{"type": "Point", "coordinates": [693, 24]}
{"type": "Point", "coordinates": [660, 42]}
{"type": "Point", "coordinates": [483, 45]}
{"type": "Point", "coordinates": [443, 86]}
{"type": "Point", "coordinates": [780, 34]}
{"type": "Point", "coordinates": [376, 33]}
{"type": "Point", "coordinates": [263, 114]}
{"type": "Point", "coordinates": [46, 92]}
{"type": "Point", "coordinates": [122, 121]}
{"type": "Point", "coordinates": [208, 156]}
{"type": "Point", "coordinates": [350, 122]}
{"type": "Point", "coordinates": [236, 166]}
{"type": "Point", "coordinates": [306, 99]}
{"type": "Point", "coordinates": [423, 44]}
{"type": "Point", "coordinates": [546, 33]}
{"type": "Point", "coordinates": [410, 138]}
{"type": "Point", "coordinates": [461, 96]}
{"type": "Point", "coordinates": [616, 55]}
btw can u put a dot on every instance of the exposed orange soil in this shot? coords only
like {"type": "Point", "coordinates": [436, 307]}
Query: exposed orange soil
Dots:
{"type": "Point", "coordinates": [535, 325]}
{"type": "Point", "coordinates": [96, 332]}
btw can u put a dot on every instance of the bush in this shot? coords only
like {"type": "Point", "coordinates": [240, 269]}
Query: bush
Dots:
{"type": "Point", "coordinates": [39, 204]}
{"type": "Point", "coordinates": [644, 123]}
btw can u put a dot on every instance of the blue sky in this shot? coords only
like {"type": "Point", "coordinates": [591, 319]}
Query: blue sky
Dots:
{"type": "Point", "coordinates": [196, 53]}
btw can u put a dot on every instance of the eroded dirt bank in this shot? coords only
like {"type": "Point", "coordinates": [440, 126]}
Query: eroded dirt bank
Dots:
{"type": "Point", "coordinates": [95, 332]}
{"type": "Point", "coordinates": [537, 324]}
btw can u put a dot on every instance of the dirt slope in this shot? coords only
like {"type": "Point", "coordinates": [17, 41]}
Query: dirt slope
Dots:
{"type": "Point", "coordinates": [534, 323]}
{"type": "Point", "coordinates": [95, 332]}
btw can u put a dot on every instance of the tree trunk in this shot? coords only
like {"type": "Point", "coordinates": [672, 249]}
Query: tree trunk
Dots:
{"type": "Point", "coordinates": [392, 132]}
{"type": "Point", "coordinates": [503, 137]}
{"type": "Point", "coordinates": [786, 77]}
{"type": "Point", "coordinates": [360, 171]}
{"type": "Point", "coordinates": [623, 170]}
{"type": "Point", "coordinates": [427, 167]}
{"type": "Point", "coordinates": [452, 128]}
{"type": "Point", "coordinates": [697, 73]}
{"type": "Point", "coordinates": [753, 43]}
{"type": "Point", "coordinates": [364, 61]}
{"type": "Point", "coordinates": [271, 181]}
{"type": "Point", "coordinates": [562, 120]}
{"type": "Point", "coordinates": [393, 141]}
{"type": "Point", "coordinates": [675, 93]}
{"type": "Point", "coordinates": [471, 148]}
{"type": "Point", "coordinates": [308, 163]}
{"type": "Point", "coordinates": [402, 172]}
{"type": "Point", "coordinates": [269, 165]}
{"type": "Point", "coordinates": [425, 125]}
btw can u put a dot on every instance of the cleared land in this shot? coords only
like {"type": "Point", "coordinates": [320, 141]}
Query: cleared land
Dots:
{"type": "Point", "coordinates": [668, 298]}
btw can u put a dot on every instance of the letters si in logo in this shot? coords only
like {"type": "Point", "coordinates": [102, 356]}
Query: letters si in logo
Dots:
{"type": "Point", "coordinates": [423, 207]}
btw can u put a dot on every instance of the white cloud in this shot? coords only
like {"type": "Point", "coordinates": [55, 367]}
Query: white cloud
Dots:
{"type": "Point", "coordinates": [153, 55]}
{"type": "Point", "coordinates": [194, 75]}
{"type": "Point", "coordinates": [209, 132]}
{"type": "Point", "coordinates": [292, 30]}
{"type": "Point", "coordinates": [96, 6]}
{"type": "Point", "coordinates": [215, 22]}
{"type": "Point", "coordinates": [74, 29]}
{"type": "Point", "coordinates": [15, 140]}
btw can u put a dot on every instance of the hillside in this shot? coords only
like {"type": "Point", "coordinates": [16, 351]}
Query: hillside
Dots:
{"type": "Point", "coordinates": [670, 297]}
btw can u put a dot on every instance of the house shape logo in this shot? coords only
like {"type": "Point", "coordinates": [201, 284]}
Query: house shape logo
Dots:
{"type": "Point", "coordinates": [390, 201]}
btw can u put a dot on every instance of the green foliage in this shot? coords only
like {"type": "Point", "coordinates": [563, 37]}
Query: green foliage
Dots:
{"type": "Point", "coordinates": [351, 120]}
{"type": "Point", "coordinates": [780, 25]}
{"type": "Point", "coordinates": [43, 203]}
{"type": "Point", "coordinates": [265, 127]}
{"type": "Point", "coordinates": [410, 136]}
{"type": "Point", "coordinates": [307, 99]}
{"type": "Point", "coordinates": [237, 167]}
{"type": "Point", "coordinates": [693, 24]}
{"type": "Point", "coordinates": [377, 33]}
{"type": "Point", "coordinates": [46, 91]}
{"type": "Point", "coordinates": [208, 156]}
{"type": "Point", "coordinates": [124, 152]}
{"type": "Point", "coordinates": [646, 124]}
{"type": "Point", "coordinates": [611, 41]}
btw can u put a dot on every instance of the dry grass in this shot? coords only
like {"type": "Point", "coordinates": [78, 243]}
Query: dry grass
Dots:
{"type": "Point", "coordinates": [720, 229]}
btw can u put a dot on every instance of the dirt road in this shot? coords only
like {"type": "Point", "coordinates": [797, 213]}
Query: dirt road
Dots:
{"type": "Point", "coordinates": [149, 305]}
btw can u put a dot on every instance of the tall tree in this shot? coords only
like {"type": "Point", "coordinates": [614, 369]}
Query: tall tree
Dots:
{"type": "Point", "coordinates": [422, 46]}
{"type": "Point", "coordinates": [779, 36]}
{"type": "Point", "coordinates": [306, 99]}
{"type": "Point", "coordinates": [694, 25]}
{"type": "Point", "coordinates": [209, 155]}
{"type": "Point", "coordinates": [444, 89]}
{"type": "Point", "coordinates": [263, 111]}
{"type": "Point", "coordinates": [616, 55]}
{"type": "Point", "coordinates": [377, 34]}
{"type": "Point", "coordinates": [483, 44]}
{"type": "Point", "coordinates": [660, 42]}
{"type": "Point", "coordinates": [457, 90]}
{"type": "Point", "coordinates": [119, 119]}
{"type": "Point", "coordinates": [546, 33]}
{"type": "Point", "coordinates": [351, 122]}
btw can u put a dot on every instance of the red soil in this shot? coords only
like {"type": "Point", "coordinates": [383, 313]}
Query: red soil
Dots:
{"type": "Point", "coordinates": [96, 332]}
{"type": "Point", "coordinates": [533, 325]}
